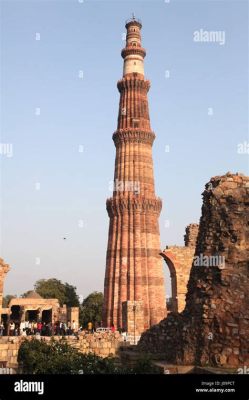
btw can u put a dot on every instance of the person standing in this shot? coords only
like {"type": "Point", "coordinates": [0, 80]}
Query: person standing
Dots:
{"type": "Point", "coordinates": [35, 327]}
{"type": "Point", "coordinates": [1, 328]}
{"type": "Point", "coordinates": [16, 332]}
{"type": "Point", "coordinates": [12, 328]}
{"type": "Point", "coordinates": [69, 329]}
{"type": "Point", "coordinates": [43, 329]}
{"type": "Point", "coordinates": [22, 327]}
{"type": "Point", "coordinates": [39, 327]}
{"type": "Point", "coordinates": [29, 328]}
{"type": "Point", "coordinates": [74, 327]}
{"type": "Point", "coordinates": [90, 327]}
{"type": "Point", "coordinates": [26, 326]}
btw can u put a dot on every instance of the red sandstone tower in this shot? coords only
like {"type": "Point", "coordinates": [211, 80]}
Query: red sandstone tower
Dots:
{"type": "Point", "coordinates": [134, 271]}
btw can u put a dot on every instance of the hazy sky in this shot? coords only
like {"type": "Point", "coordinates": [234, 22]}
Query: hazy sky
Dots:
{"type": "Point", "coordinates": [60, 61]}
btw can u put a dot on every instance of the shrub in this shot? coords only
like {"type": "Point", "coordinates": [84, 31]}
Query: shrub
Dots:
{"type": "Point", "coordinates": [58, 357]}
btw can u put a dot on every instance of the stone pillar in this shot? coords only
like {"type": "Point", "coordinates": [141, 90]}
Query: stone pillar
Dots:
{"type": "Point", "coordinates": [4, 268]}
{"type": "Point", "coordinates": [22, 313]}
{"type": "Point", "coordinates": [73, 315]}
{"type": "Point", "coordinates": [63, 314]}
{"type": "Point", "coordinates": [190, 237]}
{"type": "Point", "coordinates": [133, 319]}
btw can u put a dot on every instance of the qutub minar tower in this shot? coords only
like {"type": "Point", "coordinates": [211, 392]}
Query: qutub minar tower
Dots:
{"type": "Point", "coordinates": [134, 273]}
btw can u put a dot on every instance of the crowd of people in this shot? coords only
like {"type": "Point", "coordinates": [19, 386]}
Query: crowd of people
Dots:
{"type": "Point", "coordinates": [27, 328]}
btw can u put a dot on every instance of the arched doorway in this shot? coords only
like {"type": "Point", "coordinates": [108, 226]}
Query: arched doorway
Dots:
{"type": "Point", "coordinates": [5, 319]}
{"type": "Point", "coordinates": [31, 315]}
{"type": "Point", "coordinates": [47, 316]}
{"type": "Point", "coordinates": [172, 302]}
{"type": "Point", "coordinates": [15, 315]}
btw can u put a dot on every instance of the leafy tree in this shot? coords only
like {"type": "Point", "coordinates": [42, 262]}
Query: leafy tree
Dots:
{"type": "Point", "coordinates": [58, 357]}
{"type": "Point", "coordinates": [38, 357]}
{"type": "Point", "coordinates": [7, 299]}
{"type": "Point", "coordinates": [72, 299]}
{"type": "Point", "coordinates": [91, 309]}
{"type": "Point", "coordinates": [55, 289]}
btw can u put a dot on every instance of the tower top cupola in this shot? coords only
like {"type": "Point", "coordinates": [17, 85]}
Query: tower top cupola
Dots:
{"type": "Point", "coordinates": [133, 53]}
{"type": "Point", "coordinates": [133, 21]}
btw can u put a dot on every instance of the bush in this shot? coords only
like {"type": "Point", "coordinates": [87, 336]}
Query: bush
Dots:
{"type": "Point", "coordinates": [38, 357]}
{"type": "Point", "coordinates": [58, 357]}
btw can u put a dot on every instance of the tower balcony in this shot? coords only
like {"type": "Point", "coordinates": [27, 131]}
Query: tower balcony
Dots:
{"type": "Point", "coordinates": [133, 80]}
{"type": "Point", "coordinates": [133, 50]}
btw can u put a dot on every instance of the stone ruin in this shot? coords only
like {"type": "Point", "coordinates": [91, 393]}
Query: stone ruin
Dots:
{"type": "Point", "coordinates": [179, 260]}
{"type": "Point", "coordinates": [191, 234]}
{"type": "Point", "coordinates": [32, 307]}
{"type": "Point", "coordinates": [213, 329]}
{"type": "Point", "coordinates": [4, 269]}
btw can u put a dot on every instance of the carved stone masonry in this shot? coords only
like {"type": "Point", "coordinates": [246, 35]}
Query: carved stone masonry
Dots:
{"type": "Point", "coordinates": [134, 270]}
{"type": "Point", "coordinates": [214, 327]}
{"type": "Point", "coordinates": [4, 268]}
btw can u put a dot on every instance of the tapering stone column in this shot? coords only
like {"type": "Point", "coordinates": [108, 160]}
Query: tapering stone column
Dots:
{"type": "Point", "coordinates": [134, 270]}
{"type": "Point", "coordinates": [4, 268]}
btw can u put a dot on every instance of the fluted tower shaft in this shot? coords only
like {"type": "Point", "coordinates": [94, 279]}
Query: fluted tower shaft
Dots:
{"type": "Point", "coordinates": [134, 268]}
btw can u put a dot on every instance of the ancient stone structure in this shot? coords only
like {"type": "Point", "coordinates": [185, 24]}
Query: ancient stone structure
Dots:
{"type": "Point", "coordinates": [133, 319]}
{"type": "Point", "coordinates": [191, 234]}
{"type": "Point", "coordinates": [179, 260]}
{"type": "Point", "coordinates": [134, 269]}
{"type": "Point", "coordinates": [4, 268]}
{"type": "Point", "coordinates": [101, 344]}
{"type": "Point", "coordinates": [33, 307]}
{"type": "Point", "coordinates": [214, 327]}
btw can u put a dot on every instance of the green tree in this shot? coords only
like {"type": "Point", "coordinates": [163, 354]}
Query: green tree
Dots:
{"type": "Point", "coordinates": [91, 309]}
{"type": "Point", "coordinates": [55, 289]}
{"type": "Point", "coordinates": [6, 299]}
{"type": "Point", "coordinates": [58, 357]}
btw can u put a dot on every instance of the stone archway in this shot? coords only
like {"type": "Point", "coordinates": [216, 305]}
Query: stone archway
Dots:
{"type": "Point", "coordinates": [179, 261]}
{"type": "Point", "coordinates": [15, 315]}
{"type": "Point", "coordinates": [173, 307]}
{"type": "Point", "coordinates": [32, 315]}
{"type": "Point", "coordinates": [47, 315]}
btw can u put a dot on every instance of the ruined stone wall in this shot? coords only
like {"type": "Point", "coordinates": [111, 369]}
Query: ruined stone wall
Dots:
{"type": "Point", "coordinates": [9, 347]}
{"type": "Point", "coordinates": [133, 319]}
{"type": "Point", "coordinates": [4, 268]}
{"type": "Point", "coordinates": [73, 315]}
{"type": "Point", "coordinates": [214, 327]}
{"type": "Point", "coordinates": [101, 344]}
{"type": "Point", "coordinates": [179, 260]}
{"type": "Point", "coordinates": [191, 234]}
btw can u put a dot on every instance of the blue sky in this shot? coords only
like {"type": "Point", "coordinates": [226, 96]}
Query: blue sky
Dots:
{"type": "Point", "coordinates": [80, 113]}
